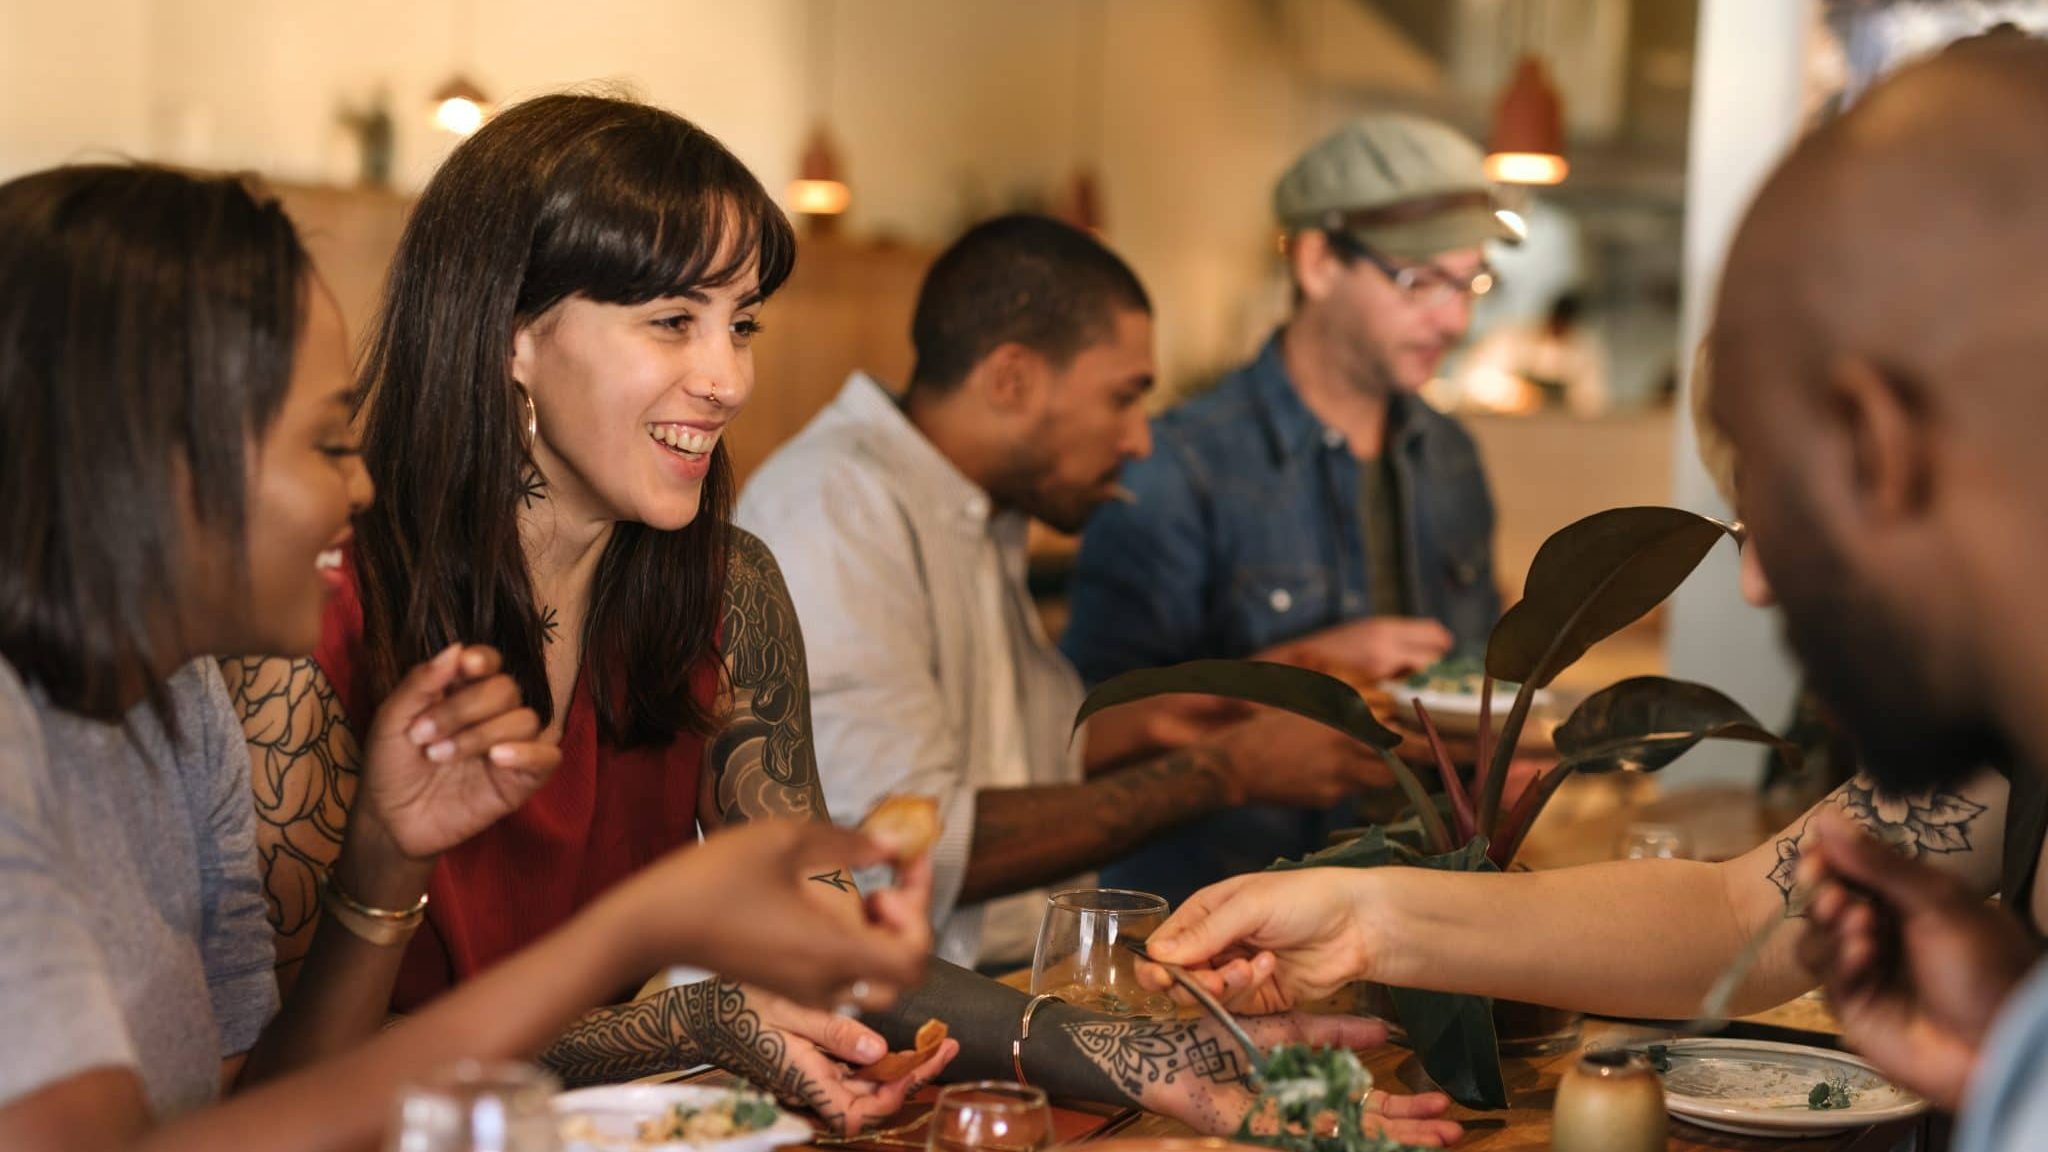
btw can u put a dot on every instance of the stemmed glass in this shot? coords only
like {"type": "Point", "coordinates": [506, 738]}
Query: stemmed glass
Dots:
{"type": "Point", "coordinates": [1077, 958]}
{"type": "Point", "coordinates": [1653, 842]}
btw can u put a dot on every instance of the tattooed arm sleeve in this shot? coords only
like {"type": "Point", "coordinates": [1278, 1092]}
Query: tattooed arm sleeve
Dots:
{"type": "Point", "coordinates": [706, 1022]}
{"type": "Point", "coordinates": [303, 764]}
{"type": "Point", "coordinates": [762, 764]}
{"type": "Point", "coordinates": [1957, 828]}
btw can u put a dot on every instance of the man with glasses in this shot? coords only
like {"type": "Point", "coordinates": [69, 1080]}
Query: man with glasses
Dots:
{"type": "Point", "coordinates": [1311, 508]}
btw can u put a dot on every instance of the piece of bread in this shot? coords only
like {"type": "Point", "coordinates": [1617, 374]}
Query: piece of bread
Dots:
{"type": "Point", "coordinates": [908, 823]}
{"type": "Point", "coordinates": [897, 1065]}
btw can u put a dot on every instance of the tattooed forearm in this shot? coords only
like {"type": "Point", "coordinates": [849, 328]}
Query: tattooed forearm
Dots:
{"type": "Point", "coordinates": [1139, 1054]}
{"type": "Point", "coordinates": [303, 764]}
{"type": "Point", "coordinates": [1024, 837]}
{"type": "Point", "coordinates": [1186, 1068]}
{"type": "Point", "coordinates": [1936, 821]}
{"type": "Point", "coordinates": [708, 1022]}
{"type": "Point", "coordinates": [763, 764]}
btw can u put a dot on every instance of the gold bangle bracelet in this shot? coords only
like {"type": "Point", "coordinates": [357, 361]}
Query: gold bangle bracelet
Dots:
{"type": "Point", "coordinates": [380, 926]}
{"type": "Point", "coordinates": [1024, 1033]}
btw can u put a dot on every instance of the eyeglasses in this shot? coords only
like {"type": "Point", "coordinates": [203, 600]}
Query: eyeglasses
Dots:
{"type": "Point", "coordinates": [1424, 285]}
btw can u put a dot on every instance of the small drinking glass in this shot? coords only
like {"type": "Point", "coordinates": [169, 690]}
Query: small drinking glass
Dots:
{"type": "Point", "coordinates": [477, 1107]}
{"type": "Point", "coordinates": [1077, 958]}
{"type": "Point", "coordinates": [1653, 842]}
{"type": "Point", "coordinates": [990, 1116]}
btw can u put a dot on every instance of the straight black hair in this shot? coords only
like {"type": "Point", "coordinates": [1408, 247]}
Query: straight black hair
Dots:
{"type": "Point", "coordinates": [560, 196]}
{"type": "Point", "coordinates": [148, 319]}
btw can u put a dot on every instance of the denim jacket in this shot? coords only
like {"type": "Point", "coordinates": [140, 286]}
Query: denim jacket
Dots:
{"type": "Point", "coordinates": [1247, 532]}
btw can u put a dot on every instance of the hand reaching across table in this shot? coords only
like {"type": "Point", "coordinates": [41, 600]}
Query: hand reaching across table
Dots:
{"type": "Point", "coordinates": [742, 903]}
{"type": "Point", "coordinates": [1267, 941]}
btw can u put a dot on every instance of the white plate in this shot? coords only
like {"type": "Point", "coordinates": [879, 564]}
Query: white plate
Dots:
{"type": "Point", "coordinates": [1457, 713]}
{"type": "Point", "coordinates": [1758, 1088]}
{"type": "Point", "coordinates": [618, 1109]}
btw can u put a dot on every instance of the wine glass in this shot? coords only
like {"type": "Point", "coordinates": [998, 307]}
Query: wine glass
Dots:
{"type": "Point", "coordinates": [1077, 958]}
{"type": "Point", "coordinates": [477, 1107]}
{"type": "Point", "coordinates": [990, 1116]}
{"type": "Point", "coordinates": [1653, 842]}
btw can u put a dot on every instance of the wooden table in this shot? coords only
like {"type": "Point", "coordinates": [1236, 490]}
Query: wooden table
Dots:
{"type": "Point", "coordinates": [1579, 826]}
{"type": "Point", "coordinates": [1523, 1127]}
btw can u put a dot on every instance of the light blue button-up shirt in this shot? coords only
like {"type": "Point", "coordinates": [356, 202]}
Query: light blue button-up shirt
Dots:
{"type": "Point", "coordinates": [2007, 1107]}
{"type": "Point", "coordinates": [886, 546]}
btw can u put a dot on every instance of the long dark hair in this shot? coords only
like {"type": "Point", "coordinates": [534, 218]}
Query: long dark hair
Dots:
{"type": "Point", "coordinates": [147, 324]}
{"type": "Point", "coordinates": [560, 196]}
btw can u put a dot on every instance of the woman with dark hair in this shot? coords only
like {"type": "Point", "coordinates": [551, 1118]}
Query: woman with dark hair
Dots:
{"type": "Point", "coordinates": [177, 480]}
{"type": "Point", "coordinates": [564, 337]}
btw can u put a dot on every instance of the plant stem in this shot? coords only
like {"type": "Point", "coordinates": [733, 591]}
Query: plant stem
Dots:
{"type": "Point", "coordinates": [1503, 753]}
{"type": "Point", "coordinates": [1483, 748]}
{"type": "Point", "coordinates": [1454, 786]}
{"type": "Point", "coordinates": [1418, 796]}
{"type": "Point", "coordinates": [1528, 806]}
{"type": "Point", "coordinates": [1518, 714]}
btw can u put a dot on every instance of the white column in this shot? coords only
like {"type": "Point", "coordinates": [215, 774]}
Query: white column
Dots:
{"type": "Point", "coordinates": [1745, 114]}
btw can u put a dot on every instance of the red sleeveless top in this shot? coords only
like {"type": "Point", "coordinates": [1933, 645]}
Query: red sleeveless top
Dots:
{"type": "Point", "coordinates": [604, 814]}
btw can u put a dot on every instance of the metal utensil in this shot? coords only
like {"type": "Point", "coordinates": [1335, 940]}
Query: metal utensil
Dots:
{"type": "Point", "coordinates": [1210, 1004]}
{"type": "Point", "coordinates": [1714, 1006]}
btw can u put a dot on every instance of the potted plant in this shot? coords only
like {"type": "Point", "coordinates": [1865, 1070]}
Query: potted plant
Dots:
{"type": "Point", "coordinates": [1589, 580]}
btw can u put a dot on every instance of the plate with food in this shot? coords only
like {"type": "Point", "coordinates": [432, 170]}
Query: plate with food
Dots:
{"type": "Point", "coordinates": [674, 1118]}
{"type": "Point", "coordinates": [1761, 1088]}
{"type": "Point", "coordinates": [1450, 690]}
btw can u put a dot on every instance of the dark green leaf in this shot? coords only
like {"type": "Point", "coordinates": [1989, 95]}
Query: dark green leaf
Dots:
{"type": "Point", "coordinates": [1324, 699]}
{"type": "Point", "coordinates": [1453, 1036]}
{"type": "Point", "coordinates": [1371, 848]}
{"type": "Point", "coordinates": [1644, 723]}
{"type": "Point", "coordinates": [1451, 1033]}
{"type": "Point", "coordinates": [1593, 578]}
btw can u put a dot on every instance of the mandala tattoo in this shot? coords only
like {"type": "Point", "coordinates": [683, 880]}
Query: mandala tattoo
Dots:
{"type": "Point", "coordinates": [697, 1023]}
{"type": "Point", "coordinates": [1916, 824]}
{"type": "Point", "coordinates": [303, 769]}
{"type": "Point", "coordinates": [1140, 1054]}
{"type": "Point", "coordinates": [533, 487]}
{"type": "Point", "coordinates": [762, 763]}
{"type": "Point", "coordinates": [837, 878]}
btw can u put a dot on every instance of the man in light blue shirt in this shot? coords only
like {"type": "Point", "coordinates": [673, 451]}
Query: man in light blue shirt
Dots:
{"type": "Point", "coordinates": [900, 522]}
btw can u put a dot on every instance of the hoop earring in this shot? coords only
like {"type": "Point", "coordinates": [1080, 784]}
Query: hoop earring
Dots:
{"type": "Point", "coordinates": [532, 428]}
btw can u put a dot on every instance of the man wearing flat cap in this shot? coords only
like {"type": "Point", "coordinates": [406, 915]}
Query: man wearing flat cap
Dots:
{"type": "Point", "coordinates": [1312, 508]}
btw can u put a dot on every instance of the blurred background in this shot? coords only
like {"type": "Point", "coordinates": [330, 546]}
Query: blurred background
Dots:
{"type": "Point", "coordinates": [890, 125]}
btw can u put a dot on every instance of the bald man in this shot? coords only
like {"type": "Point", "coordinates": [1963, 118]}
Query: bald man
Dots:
{"type": "Point", "coordinates": [1879, 353]}
{"type": "Point", "coordinates": [1879, 360]}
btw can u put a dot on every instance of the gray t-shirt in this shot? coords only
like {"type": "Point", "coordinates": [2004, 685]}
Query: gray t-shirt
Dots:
{"type": "Point", "coordinates": [132, 928]}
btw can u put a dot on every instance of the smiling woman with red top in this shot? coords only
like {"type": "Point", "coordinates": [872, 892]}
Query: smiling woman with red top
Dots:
{"type": "Point", "coordinates": [564, 337]}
